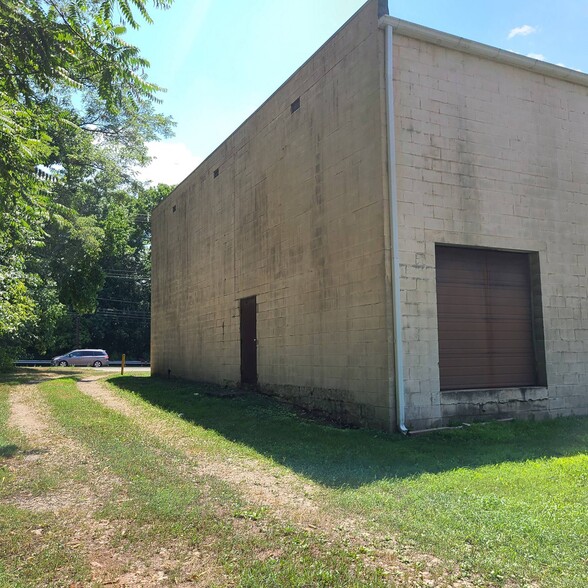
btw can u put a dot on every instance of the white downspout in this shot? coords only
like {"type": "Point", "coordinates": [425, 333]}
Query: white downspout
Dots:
{"type": "Point", "coordinates": [397, 322]}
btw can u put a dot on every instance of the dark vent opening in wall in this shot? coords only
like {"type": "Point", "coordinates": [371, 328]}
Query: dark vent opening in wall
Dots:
{"type": "Point", "coordinates": [216, 172]}
{"type": "Point", "coordinates": [295, 105]}
{"type": "Point", "coordinates": [174, 208]}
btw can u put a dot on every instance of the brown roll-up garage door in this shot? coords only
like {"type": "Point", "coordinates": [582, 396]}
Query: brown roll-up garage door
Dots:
{"type": "Point", "coordinates": [485, 319]}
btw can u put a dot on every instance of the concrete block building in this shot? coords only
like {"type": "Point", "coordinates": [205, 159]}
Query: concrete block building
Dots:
{"type": "Point", "coordinates": [397, 237]}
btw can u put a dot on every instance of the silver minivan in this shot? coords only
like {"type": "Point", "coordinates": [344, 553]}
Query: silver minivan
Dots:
{"type": "Point", "coordinates": [82, 357]}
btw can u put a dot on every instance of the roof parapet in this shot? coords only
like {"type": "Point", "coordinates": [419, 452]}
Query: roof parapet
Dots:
{"type": "Point", "coordinates": [422, 33]}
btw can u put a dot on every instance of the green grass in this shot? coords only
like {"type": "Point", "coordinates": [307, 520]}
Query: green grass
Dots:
{"type": "Point", "coordinates": [32, 552]}
{"type": "Point", "coordinates": [9, 439]}
{"type": "Point", "coordinates": [519, 520]}
{"type": "Point", "coordinates": [162, 505]}
{"type": "Point", "coordinates": [508, 501]}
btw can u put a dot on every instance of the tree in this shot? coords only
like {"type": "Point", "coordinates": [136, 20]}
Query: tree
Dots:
{"type": "Point", "coordinates": [48, 44]}
{"type": "Point", "coordinates": [75, 112]}
{"type": "Point", "coordinates": [121, 321]}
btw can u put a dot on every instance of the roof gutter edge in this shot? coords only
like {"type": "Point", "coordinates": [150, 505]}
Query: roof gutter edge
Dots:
{"type": "Point", "coordinates": [422, 33]}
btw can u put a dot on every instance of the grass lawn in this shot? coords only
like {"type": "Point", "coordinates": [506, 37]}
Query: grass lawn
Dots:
{"type": "Point", "coordinates": [26, 560]}
{"type": "Point", "coordinates": [508, 502]}
{"type": "Point", "coordinates": [151, 505]}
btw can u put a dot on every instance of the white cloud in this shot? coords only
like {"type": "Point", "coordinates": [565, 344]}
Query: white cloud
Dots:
{"type": "Point", "coordinates": [538, 56]}
{"type": "Point", "coordinates": [522, 31]}
{"type": "Point", "coordinates": [568, 67]}
{"type": "Point", "coordinates": [172, 162]}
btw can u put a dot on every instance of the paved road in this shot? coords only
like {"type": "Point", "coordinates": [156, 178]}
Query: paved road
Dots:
{"type": "Point", "coordinates": [110, 369]}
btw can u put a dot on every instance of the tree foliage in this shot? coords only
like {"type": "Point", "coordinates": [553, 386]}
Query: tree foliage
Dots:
{"type": "Point", "coordinates": [76, 111]}
{"type": "Point", "coordinates": [121, 321]}
{"type": "Point", "coordinates": [52, 43]}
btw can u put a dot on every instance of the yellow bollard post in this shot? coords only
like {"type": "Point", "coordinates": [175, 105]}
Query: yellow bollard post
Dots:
{"type": "Point", "coordinates": [122, 365]}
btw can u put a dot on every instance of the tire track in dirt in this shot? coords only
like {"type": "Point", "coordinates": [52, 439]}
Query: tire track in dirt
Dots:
{"type": "Point", "coordinates": [76, 503]}
{"type": "Point", "coordinates": [286, 493]}
{"type": "Point", "coordinates": [51, 450]}
{"type": "Point", "coordinates": [289, 499]}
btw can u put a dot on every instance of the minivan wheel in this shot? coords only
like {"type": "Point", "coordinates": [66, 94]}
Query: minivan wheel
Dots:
{"type": "Point", "coordinates": [97, 363]}
{"type": "Point", "coordinates": [63, 363]}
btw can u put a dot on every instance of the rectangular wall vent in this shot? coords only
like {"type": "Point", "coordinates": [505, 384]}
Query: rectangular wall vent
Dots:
{"type": "Point", "coordinates": [295, 105]}
{"type": "Point", "coordinates": [216, 172]}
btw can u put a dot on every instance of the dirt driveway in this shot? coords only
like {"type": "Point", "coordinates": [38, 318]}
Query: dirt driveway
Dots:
{"type": "Point", "coordinates": [78, 505]}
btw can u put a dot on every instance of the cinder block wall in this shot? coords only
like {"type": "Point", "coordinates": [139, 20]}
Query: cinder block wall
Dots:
{"type": "Point", "coordinates": [294, 217]}
{"type": "Point", "coordinates": [496, 156]}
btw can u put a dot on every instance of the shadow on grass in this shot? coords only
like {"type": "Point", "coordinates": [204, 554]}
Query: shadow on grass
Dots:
{"type": "Point", "coordinates": [35, 375]}
{"type": "Point", "coordinates": [340, 457]}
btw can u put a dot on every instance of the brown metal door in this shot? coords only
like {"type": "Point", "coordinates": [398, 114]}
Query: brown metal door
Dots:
{"type": "Point", "coordinates": [485, 319]}
{"type": "Point", "coordinates": [248, 315]}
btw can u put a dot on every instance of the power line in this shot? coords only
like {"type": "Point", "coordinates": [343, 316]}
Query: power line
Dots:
{"type": "Point", "coordinates": [118, 315]}
{"type": "Point", "coordinates": [128, 277]}
{"type": "Point", "coordinates": [113, 311]}
{"type": "Point", "coordinates": [123, 312]}
{"type": "Point", "coordinates": [122, 272]}
{"type": "Point", "coordinates": [125, 301]}
{"type": "Point", "coordinates": [122, 316]}
{"type": "Point", "coordinates": [114, 270]}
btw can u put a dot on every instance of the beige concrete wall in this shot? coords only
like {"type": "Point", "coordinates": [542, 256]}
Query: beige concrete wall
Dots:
{"type": "Point", "coordinates": [295, 217]}
{"type": "Point", "coordinates": [495, 156]}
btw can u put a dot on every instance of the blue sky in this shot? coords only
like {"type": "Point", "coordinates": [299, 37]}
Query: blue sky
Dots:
{"type": "Point", "coordinates": [220, 59]}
